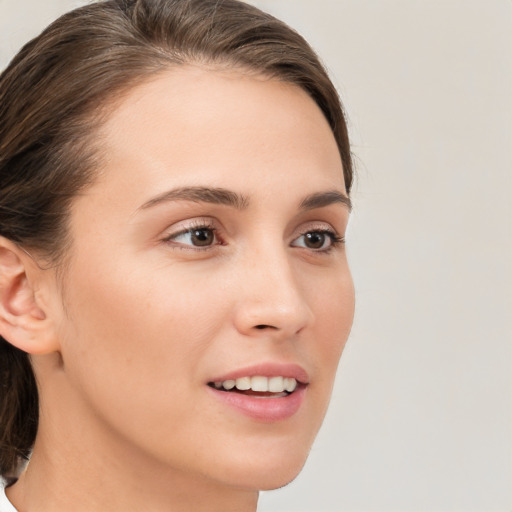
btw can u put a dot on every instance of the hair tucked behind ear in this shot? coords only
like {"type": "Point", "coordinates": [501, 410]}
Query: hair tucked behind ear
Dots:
{"type": "Point", "coordinates": [58, 89]}
{"type": "Point", "coordinates": [18, 408]}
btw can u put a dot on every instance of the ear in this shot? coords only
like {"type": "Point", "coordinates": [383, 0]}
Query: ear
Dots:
{"type": "Point", "coordinates": [24, 322]}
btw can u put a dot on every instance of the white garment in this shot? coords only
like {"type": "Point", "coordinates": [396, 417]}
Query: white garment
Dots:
{"type": "Point", "coordinates": [5, 504]}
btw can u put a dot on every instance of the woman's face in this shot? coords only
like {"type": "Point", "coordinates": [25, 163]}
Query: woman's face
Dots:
{"type": "Point", "coordinates": [209, 249]}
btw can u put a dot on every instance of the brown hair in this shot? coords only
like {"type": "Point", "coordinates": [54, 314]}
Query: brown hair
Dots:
{"type": "Point", "coordinates": [52, 96]}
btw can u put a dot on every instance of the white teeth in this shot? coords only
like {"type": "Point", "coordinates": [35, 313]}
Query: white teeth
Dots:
{"type": "Point", "coordinates": [243, 384]}
{"type": "Point", "coordinates": [275, 384]}
{"type": "Point", "coordinates": [228, 384]}
{"type": "Point", "coordinates": [290, 385]}
{"type": "Point", "coordinates": [260, 384]}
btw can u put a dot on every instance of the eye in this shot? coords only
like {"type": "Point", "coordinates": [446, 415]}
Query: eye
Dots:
{"type": "Point", "coordinates": [200, 236]}
{"type": "Point", "coordinates": [318, 240]}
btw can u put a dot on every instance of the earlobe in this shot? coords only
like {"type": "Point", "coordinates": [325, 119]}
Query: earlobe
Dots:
{"type": "Point", "coordinates": [23, 321]}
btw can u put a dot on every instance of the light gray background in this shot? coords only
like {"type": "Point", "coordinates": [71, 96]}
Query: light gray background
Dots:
{"type": "Point", "coordinates": [421, 416]}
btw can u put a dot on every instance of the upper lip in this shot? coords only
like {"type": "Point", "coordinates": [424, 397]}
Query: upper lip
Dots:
{"type": "Point", "coordinates": [267, 370]}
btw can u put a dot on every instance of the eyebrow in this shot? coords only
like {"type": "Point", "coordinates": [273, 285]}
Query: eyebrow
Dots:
{"type": "Point", "coordinates": [322, 199]}
{"type": "Point", "coordinates": [239, 201]}
{"type": "Point", "coordinates": [201, 195]}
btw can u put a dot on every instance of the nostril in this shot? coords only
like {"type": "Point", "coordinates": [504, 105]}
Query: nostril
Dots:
{"type": "Point", "coordinates": [262, 326]}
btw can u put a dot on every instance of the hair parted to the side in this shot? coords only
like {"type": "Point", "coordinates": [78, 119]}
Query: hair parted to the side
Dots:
{"type": "Point", "coordinates": [53, 97]}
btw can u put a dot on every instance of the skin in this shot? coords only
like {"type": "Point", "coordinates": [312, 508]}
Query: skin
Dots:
{"type": "Point", "coordinates": [127, 341]}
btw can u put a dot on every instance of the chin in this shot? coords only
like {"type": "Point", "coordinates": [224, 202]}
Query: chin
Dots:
{"type": "Point", "coordinates": [269, 473]}
{"type": "Point", "coordinates": [279, 479]}
{"type": "Point", "coordinates": [268, 480]}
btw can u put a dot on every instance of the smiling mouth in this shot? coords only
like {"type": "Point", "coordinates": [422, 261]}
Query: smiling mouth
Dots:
{"type": "Point", "coordinates": [258, 386]}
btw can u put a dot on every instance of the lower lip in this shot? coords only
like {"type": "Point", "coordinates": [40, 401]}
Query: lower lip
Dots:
{"type": "Point", "coordinates": [263, 409]}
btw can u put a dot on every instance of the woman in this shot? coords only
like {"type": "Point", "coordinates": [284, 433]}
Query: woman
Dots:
{"type": "Point", "coordinates": [175, 179]}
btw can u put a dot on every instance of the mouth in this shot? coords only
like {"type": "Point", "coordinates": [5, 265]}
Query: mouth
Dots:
{"type": "Point", "coordinates": [258, 386]}
{"type": "Point", "coordinates": [266, 393]}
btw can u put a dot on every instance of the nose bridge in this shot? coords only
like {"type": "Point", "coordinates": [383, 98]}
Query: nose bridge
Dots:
{"type": "Point", "coordinates": [271, 297]}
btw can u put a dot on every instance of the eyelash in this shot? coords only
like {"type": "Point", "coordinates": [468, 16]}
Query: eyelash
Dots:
{"type": "Point", "coordinates": [197, 226]}
{"type": "Point", "coordinates": [335, 239]}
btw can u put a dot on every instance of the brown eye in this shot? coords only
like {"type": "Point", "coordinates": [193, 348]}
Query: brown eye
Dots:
{"type": "Point", "coordinates": [195, 237]}
{"type": "Point", "coordinates": [319, 240]}
{"type": "Point", "coordinates": [315, 240]}
{"type": "Point", "coordinates": [202, 237]}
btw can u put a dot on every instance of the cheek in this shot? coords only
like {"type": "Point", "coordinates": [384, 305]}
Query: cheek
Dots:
{"type": "Point", "coordinates": [334, 312]}
{"type": "Point", "coordinates": [135, 341]}
{"type": "Point", "coordinates": [140, 327]}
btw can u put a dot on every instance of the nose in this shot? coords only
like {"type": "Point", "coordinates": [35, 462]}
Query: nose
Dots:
{"type": "Point", "coordinates": [271, 300]}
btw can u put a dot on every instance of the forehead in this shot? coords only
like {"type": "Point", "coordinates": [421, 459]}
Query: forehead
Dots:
{"type": "Point", "coordinates": [191, 125]}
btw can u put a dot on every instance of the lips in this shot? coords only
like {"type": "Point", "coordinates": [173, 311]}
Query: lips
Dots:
{"type": "Point", "coordinates": [265, 392]}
